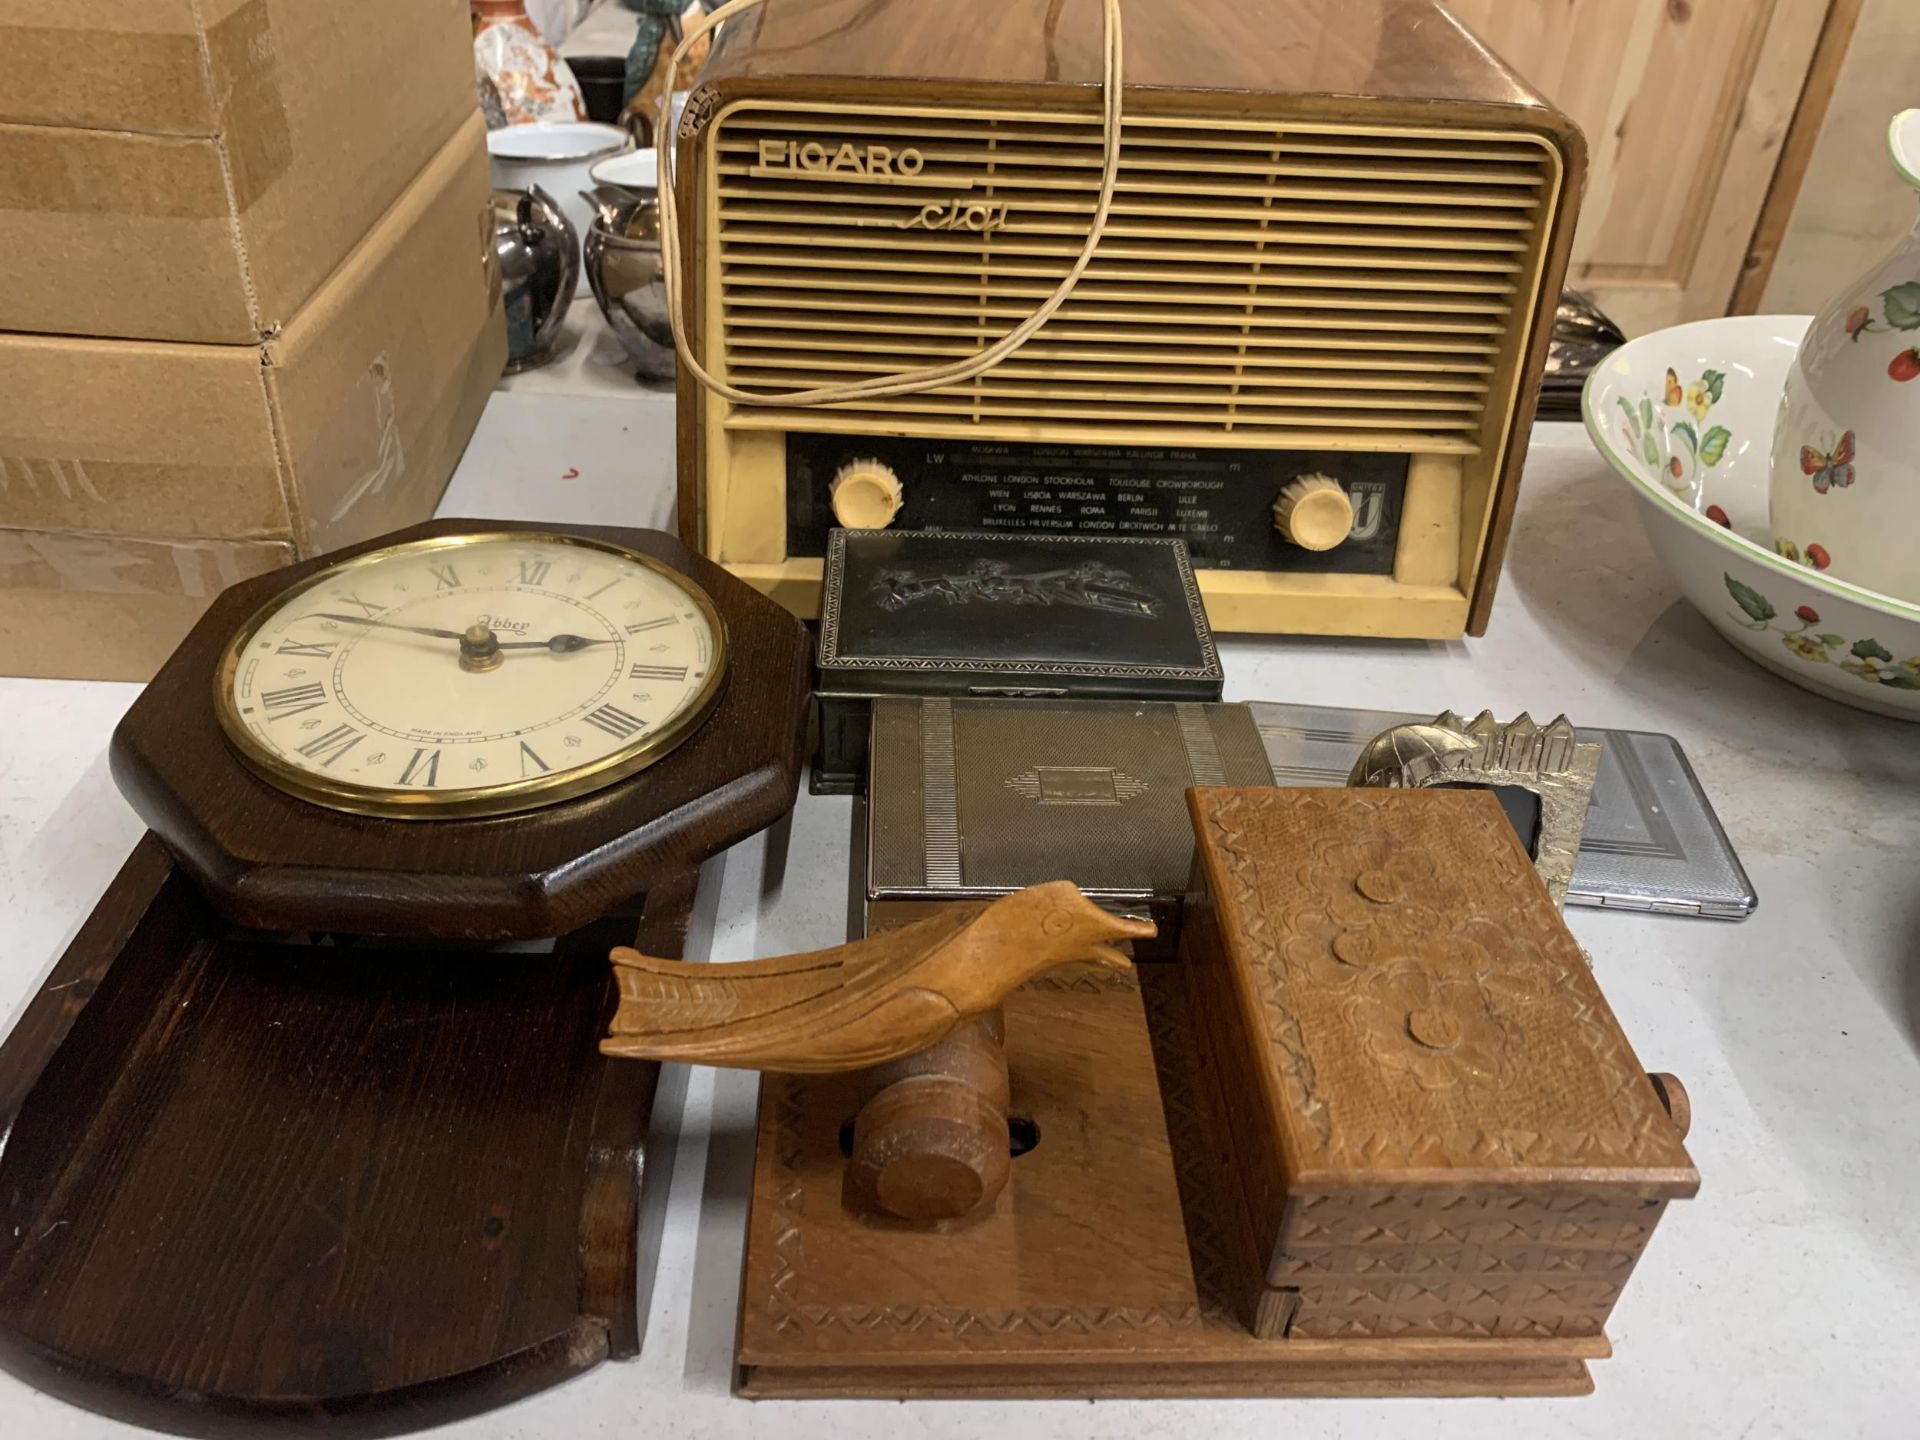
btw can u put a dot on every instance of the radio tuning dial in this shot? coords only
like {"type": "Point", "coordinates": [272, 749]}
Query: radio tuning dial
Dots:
{"type": "Point", "coordinates": [865, 495]}
{"type": "Point", "coordinates": [1314, 512]}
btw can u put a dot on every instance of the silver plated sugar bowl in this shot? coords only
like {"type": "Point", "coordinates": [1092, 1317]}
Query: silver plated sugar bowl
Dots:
{"type": "Point", "coordinates": [624, 269]}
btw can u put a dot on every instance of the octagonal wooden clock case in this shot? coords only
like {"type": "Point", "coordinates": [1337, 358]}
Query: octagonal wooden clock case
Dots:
{"type": "Point", "coordinates": [290, 1142]}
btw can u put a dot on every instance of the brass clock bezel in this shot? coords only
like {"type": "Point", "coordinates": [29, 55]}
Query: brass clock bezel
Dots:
{"type": "Point", "coordinates": [472, 802]}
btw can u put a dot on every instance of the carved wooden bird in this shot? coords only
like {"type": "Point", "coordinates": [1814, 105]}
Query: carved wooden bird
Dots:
{"type": "Point", "coordinates": [864, 1003]}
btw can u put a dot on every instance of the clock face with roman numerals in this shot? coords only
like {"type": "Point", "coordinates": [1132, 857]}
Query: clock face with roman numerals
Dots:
{"type": "Point", "coordinates": [471, 675]}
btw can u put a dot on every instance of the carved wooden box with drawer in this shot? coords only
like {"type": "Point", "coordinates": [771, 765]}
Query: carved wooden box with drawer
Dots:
{"type": "Point", "coordinates": [1373, 1132]}
{"type": "Point", "coordinates": [1439, 1128]}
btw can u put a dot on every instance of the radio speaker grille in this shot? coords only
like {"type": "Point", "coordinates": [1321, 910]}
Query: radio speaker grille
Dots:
{"type": "Point", "coordinates": [1259, 281]}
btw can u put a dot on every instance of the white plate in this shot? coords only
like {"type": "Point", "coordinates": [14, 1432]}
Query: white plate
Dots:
{"type": "Point", "coordinates": [1686, 416]}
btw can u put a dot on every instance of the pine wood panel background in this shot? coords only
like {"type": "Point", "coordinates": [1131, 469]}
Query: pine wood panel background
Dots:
{"type": "Point", "coordinates": [1686, 105]}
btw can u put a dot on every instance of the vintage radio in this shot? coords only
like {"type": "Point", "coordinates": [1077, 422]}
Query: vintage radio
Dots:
{"type": "Point", "coordinates": [1308, 340]}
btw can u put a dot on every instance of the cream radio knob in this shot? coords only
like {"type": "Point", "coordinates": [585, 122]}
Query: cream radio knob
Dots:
{"type": "Point", "coordinates": [1313, 512]}
{"type": "Point", "coordinates": [865, 495]}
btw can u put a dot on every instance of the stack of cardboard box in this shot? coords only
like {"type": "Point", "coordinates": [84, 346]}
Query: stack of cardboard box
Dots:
{"type": "Point", "coordinates": [250, 309]}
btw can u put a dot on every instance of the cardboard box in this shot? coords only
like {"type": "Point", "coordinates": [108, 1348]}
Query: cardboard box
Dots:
{"type": "Point", "coordinates": [112, 607]}
{"type": "Point", "coordinates": [195, 169]}
{"type": "Point", "coordinates": [138, 478]}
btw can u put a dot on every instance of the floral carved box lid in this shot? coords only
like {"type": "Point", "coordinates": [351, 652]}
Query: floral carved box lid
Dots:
{"type": "Point", "coordinates": [1435, 1121]}
{"type": "Point", "coordinates": [1417, 1000]}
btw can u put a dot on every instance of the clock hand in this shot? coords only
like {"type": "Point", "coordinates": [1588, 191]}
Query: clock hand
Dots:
{"type": "Point", "coordinates": [559, 644]}
{"type": "Point", "coordinates": [387, 625]}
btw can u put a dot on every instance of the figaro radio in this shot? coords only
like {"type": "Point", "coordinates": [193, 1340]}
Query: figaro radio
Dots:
{"type": "Point", "coordinates": [1309, 342]}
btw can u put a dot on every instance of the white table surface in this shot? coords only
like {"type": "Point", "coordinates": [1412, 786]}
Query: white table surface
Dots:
{"type": "Point", "coordinates": [1784, 1301]}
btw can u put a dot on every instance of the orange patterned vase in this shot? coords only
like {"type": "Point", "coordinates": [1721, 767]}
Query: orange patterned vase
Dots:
{"type": "Point", "coordinates": [533, 82]}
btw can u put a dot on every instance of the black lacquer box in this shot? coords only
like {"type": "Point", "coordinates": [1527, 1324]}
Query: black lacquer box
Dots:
{"type": "Point", "coordinates": [1055, 616]}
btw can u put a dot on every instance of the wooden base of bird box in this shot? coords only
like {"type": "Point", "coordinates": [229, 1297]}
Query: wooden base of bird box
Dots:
{"type": "Point", "coordinates": [1111, 1264]}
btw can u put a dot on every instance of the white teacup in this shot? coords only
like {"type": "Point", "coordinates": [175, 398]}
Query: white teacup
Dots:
{"type": "Point", "coordinates": [636, 171]}
{"type": "Point", "coordinates": [1845, 493]}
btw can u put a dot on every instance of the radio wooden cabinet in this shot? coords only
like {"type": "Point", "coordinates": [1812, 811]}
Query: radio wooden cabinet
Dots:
{"type": "Point", "coordinates": [1309, 342]}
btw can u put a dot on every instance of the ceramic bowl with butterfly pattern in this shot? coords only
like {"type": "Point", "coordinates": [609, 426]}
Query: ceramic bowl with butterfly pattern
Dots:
{"type": "Point", "coordinates": [1688, 416]}
{"type": "Point", "coordinates": [1846, 454]}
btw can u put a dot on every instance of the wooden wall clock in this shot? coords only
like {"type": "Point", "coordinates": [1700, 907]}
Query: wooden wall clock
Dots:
{"type": "Point", "coordinates": [288, 1146]}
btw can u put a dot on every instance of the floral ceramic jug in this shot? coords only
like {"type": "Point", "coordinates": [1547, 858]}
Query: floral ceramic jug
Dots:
{"type": "Point", "coordinates": [1846, 454]}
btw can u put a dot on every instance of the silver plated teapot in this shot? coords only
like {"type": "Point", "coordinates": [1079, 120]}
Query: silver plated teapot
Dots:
{"type": "Point", "coordinates": [539, 272]}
